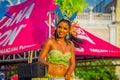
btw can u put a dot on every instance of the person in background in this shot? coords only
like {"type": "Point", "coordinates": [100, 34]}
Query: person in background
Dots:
{"type": "Point", "coordinates": [58, 52]}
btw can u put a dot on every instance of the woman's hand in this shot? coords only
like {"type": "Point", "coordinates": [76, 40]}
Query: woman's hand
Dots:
{"type": "Point", "coordinates": [50, 68]}
{"type": "Point", "coordinates": [67, 77]}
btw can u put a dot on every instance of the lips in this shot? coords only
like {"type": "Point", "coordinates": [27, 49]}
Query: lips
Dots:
{"type": "Point", "coordinates": [61, 34]}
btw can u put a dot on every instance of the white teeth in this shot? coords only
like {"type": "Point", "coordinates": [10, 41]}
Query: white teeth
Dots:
{"type": "Point", "coordinates": [60, 33]}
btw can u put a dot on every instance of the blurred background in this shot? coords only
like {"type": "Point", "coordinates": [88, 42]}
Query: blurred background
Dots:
{"type": "Point", "coordinates": [101, 18]}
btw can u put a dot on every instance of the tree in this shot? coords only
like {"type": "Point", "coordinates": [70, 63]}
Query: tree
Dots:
{"type": "Point", "coordinates": [96, 73]}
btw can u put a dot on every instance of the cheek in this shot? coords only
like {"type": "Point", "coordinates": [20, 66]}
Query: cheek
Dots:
{"type": "Point", "coordinates": [67, 31]}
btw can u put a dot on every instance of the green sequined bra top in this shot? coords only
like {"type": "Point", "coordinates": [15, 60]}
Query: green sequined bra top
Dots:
{"type": "Point", "coordinates": [57, 57]}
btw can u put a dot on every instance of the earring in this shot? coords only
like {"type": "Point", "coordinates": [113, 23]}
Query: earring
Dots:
{"type": "Point", "coordinates": [67, 37]}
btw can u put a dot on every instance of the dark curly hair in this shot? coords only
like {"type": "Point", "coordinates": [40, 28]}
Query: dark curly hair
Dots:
{"type": "Point", "coordinates": [69, 24]}
{"type": "Point", "coordinates": [77, 41]}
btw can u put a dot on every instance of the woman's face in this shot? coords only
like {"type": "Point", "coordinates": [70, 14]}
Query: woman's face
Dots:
{"type": "Point", "coordinates": [62, 29]}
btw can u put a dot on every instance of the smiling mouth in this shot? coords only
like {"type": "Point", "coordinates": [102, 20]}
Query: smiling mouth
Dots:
{"type": "Point", "coordinates": [61, 33]}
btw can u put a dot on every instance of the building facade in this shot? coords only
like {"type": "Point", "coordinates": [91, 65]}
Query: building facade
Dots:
{"type": "Point", "coordinates": [118, 33]}
{"type": "Point", "coordinates": [103, 20]}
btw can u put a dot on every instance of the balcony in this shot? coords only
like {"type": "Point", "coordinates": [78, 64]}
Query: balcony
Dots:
{"type": "Point", "coordinates": [94, 18]}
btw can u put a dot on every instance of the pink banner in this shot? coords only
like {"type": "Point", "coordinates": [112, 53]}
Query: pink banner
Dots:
{"type": "Point", "coordinates": [26, 29]}
{"type": "Point", "coordinates": [95, 46]}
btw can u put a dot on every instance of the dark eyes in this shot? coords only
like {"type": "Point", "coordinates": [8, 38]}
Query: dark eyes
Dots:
{"type": "Point", "coordinates": [63, 28]}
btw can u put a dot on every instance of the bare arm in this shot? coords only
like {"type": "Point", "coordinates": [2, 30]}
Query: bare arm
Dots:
{"type": "Point", "coordinates": [72, 63]}
{"type": "Point", "coordinates": [44, 52]}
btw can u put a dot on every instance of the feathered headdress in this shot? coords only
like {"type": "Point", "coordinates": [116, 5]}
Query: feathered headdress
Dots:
{"type": "Point", "coordinates": [68, 9]}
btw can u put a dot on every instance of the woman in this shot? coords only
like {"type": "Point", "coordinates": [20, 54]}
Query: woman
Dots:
{"type": "Point", "coordinates": [58, 52]}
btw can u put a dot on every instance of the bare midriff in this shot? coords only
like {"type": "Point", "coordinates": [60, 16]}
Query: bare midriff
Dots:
{"type": "Point", "coordinates": [57, 70]}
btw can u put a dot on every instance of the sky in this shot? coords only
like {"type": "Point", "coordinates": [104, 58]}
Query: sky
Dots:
{"type": "Point", "coordinates": [95, 2]}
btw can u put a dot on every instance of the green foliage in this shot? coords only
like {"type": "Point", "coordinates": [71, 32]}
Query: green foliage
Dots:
{"type": "Point", "coordinates": [13, 70]}
{"type": "Point", "coordinates": [96, 73]}
{"type": "Point", "coordinates": [69, 7]}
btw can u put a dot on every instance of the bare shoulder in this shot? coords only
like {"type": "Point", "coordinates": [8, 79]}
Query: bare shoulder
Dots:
{"type": "Point", "coordinates": [50, 40]}
{"type": "Point", "coordinates": [71, 43]}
